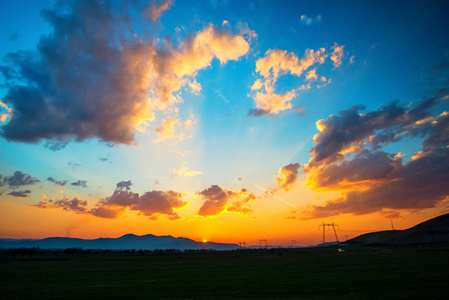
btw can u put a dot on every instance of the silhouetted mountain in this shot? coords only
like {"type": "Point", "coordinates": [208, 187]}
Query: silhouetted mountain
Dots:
{"type": "Point", "coordinates": [128, 241]}
{"type": "Point", "coordinates": [435, 230]}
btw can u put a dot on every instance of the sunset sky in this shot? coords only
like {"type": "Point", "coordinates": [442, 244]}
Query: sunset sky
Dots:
{"type": "Point", "coordinates": [229, 121]}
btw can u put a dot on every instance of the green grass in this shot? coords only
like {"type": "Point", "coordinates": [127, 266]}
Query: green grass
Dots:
{"type": "Point", "coordinates": [299, 274]}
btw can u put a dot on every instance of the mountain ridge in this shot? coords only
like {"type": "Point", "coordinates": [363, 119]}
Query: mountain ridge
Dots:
{"type": "Point", "coordinates": [125, 242]}
{"type": "Point", "coordinates": [435, 230]}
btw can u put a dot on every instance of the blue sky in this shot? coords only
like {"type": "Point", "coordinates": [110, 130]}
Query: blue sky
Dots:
{"type": "Point", "coordinates": [209, 111]}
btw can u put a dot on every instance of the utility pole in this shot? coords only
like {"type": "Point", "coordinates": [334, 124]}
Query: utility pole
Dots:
{"type": "Point", "coordinates": [328, 226]}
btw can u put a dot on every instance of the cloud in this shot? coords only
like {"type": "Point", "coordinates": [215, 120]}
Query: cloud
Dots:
{"type": "Point", "coordinates": [309, 20]}
{"type": "Point", "coordinates": [420, 184]}
{"type": "Point", "coordinates": [279, 62]}
{"type": "Point", "coordinates": [241, 205]}
{"type": "Point", "coordinates": [73, 165]}
{"type": "Point", "coordinates": [124, 185]}
{"type": "Point", "coordinates": [20, 194]}
{"type": "Point", "coordinates": [350, 130]}
{"type": "Point", "coordinates": [166, 130]}
{"type": "Point", "coordinates": [300, 111]}
{"type": "Point", "coordinates": [311, 75]}
{"type": "Point", "coordinates": [185, 171]}
{"type": "Point", "coordinates": [177, 66]}
{"type": "Point", "coordinates": [76, 205]}
{"type": "Point", "coordinates": [254, 112]}
{"type": "Point", "coordinates": [5, 112]}
{"type": "Point", "coordinates": [347, 157]}
{"type": "Point", "coordinates": [71, 87]}
{"type": "Point", "coordinates": [155, 12]}
{"type": "Point", "coordinates": [158, 202]}
{"type": "Point", "coordinates": [57, 182]}
{"type": "Point", "coordinates": [151, 204]}
{"type": "Point", "coordinates": [352, 59]}
{"type": "Point", "coordinates": [337, 54]}
{"type": "Point", "coordinates": [288, 175]}
{"type": "Point", "coordinates": [218, 200]}
{"type": "Point", "coordinates": [81, 183]}
{"type": "Point", "coordinates": [365, 168]}
{"type": "Point", "coordinates": [108, 212]}
{"type": "Point", "coordinates": [19, 179]}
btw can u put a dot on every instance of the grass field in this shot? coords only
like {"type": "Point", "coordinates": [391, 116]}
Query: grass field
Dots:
{"type": "Point", "coordinates": [278, 274]}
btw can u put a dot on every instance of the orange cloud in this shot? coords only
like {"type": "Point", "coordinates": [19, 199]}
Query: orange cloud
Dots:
{"type": "Point", "coordinates": [184, 171]}
{"type": "Point", "coordinates": [173, 68]}
{"type": "Point", "coordinates": [7, 114]}
{"type": "Point", "coordinates": [287, 177]}
{"type": "Point", "coordinates": [166, 130]}
{"type": "Point", "coordinates": [371, 180]}
{"type": "Point", "coordinates": [279, 62]}
{"type": "Point", "coordinates": [311, 75]}
{"type": "Point", "coordinates": [219, 200]}
{"type": "Point", "coordinates": [337, 55]}
{"type": "Point", "coordinates": [155, 12]}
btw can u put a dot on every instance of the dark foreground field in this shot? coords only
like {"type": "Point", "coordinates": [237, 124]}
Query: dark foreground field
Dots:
{"type": "Point", "coordinates": [277, 274]}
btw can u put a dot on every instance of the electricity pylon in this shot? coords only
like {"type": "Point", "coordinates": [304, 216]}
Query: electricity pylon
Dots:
{"type": "Point", "coordinates": [328, 226]}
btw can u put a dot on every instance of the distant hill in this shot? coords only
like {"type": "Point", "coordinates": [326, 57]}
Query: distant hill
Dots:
{"type": "Point", "coordinates": [435, 230]}
{"type": "Point", "coordinates": [128, 241]}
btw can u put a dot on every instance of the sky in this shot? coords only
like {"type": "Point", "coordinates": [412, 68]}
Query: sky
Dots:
{"type": "Point", "coordinates": [226, 121]}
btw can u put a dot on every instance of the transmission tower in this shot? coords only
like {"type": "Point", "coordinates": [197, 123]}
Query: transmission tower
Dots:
{"type": "Point", "coordinates": [293, 242]}
{"type": "Point", "coordinates": [242, 244]}
{"type": "Point", "coordinates": [329, 226]}
{"type": "Point", "coordinates": [392, 226]}
{"type": "Point", "coordinates": [261, 242]}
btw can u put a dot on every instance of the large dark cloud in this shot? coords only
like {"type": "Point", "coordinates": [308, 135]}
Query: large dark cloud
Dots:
{"type": "Point", "coordinates": [419, 184]}
{"type": "Point", "coordinates": [367, 166]}
{"type": "Point", "coordinates": [95, 76]}
{"type": "Point", "coordinates": [348, 130]}
{"type": "Point", "coordinates": [218, 200]}
{"type": "Point", "coordinates": [18, 179]}
{"type": "Point", "coordinates": [72, 86]}
{"type": "Point", "coordinates": [347, 157]}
